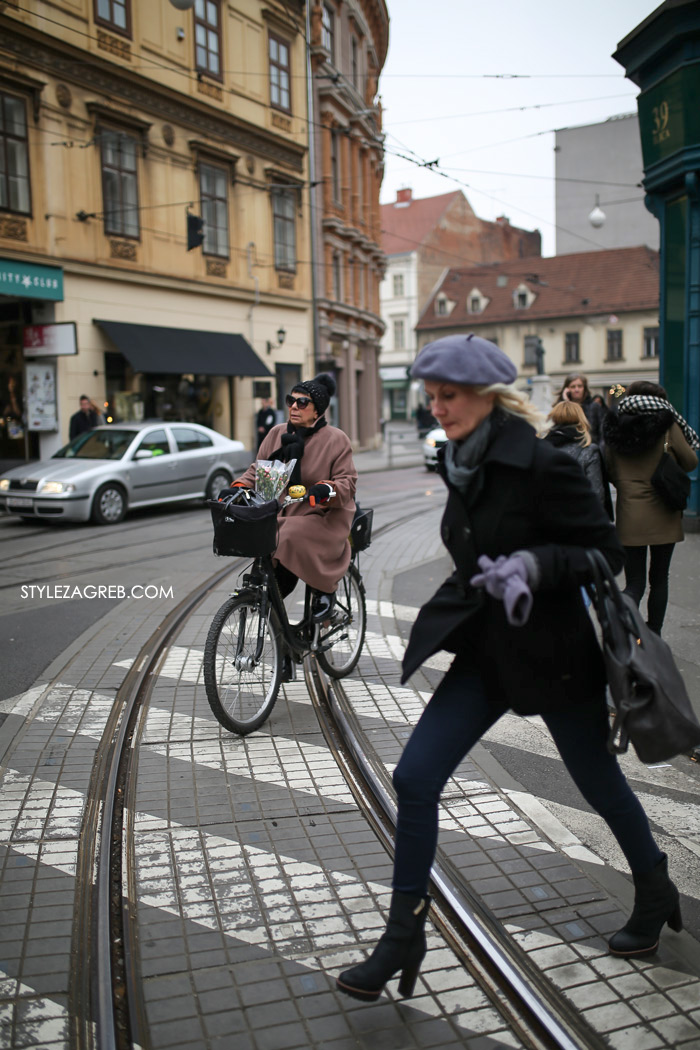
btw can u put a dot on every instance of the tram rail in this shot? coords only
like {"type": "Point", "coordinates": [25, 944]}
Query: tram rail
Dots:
{"type": "Point", "coordinates": [107, 1006]}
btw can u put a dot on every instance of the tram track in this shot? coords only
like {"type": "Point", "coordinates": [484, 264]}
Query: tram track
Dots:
{"type": "Point", "coordinates": [107, 1003]}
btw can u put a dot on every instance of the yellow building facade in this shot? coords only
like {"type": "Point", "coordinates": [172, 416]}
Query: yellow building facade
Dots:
{"type": "Point", "coordinates": [123, 124]}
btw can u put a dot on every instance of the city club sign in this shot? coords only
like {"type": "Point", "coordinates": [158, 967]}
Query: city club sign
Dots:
{"type": "Point", "coordinates": [30, 281]}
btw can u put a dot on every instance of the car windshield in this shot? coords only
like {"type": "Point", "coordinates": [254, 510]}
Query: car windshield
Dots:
{"type": "Point", "coordinates": [97, 444]}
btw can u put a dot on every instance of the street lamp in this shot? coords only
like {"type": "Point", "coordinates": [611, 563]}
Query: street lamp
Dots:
{"type": "Point", "coordinates": [281, 336]}
{"type": "Point", "coordinates": [597, 216]}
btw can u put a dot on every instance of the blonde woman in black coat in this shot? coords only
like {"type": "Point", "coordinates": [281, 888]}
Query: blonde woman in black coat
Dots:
{"type": "Point", "coordinates": [571, 433]}
{"type": "Point", "coordinates": [519, 518]}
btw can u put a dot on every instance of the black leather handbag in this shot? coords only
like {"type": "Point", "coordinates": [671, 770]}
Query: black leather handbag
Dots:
{"type": "Point", "coordinates": [671, 481]}
{"type": "Point", "coordinates": [652, 708]}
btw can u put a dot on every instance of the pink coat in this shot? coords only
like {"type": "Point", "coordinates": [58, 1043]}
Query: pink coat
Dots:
{"type": "Point", "coordinates": [313, 541]}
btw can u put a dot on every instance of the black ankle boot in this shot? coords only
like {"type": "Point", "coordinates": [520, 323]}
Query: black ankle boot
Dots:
{"type": "Point", "coordinates": [656, 901]}
{"type": "Point", "coordinates": [401, 947]}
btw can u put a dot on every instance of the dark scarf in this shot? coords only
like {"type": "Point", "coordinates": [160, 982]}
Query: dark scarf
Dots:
{"type": "Point", "coordinates": [292, 446]}
{"type": "Point", "coordinates": [463, 459]}
{"type": "Point", "coordinates": [564, 434]}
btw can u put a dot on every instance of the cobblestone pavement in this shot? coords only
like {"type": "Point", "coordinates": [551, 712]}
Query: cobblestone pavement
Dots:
{"type": "Point", "coordinates": [256, 879]}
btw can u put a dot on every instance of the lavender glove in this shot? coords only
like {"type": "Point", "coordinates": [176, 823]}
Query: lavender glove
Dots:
{"type": "Point", "coordinates": [507, 580]}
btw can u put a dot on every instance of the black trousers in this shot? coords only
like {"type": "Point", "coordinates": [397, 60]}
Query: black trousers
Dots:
{"type": "Point", "coordinates": [635, 573]}
{"type": "Point", "coordinates": [456, 717]}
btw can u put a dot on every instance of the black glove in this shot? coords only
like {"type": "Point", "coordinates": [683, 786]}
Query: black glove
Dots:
{"type": "Point", "coordinates": [319, 494]}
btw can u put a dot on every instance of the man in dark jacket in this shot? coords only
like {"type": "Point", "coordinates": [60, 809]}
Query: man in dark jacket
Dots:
{"type": "Point", "coordinates": [87, 418]}
{"type": "Point", "coordinates": [265, 420]}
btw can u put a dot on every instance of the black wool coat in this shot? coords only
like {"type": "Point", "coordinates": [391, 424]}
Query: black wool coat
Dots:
{"type": "Point", "coordinates": [533, 497]}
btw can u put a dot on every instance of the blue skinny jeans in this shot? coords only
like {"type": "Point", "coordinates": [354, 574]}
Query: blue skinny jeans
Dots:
{"type": "Point", "coordinates": [456, 717]}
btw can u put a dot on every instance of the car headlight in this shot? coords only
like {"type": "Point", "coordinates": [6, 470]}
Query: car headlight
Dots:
{"type": "Point", "coordinates": [431, 442]}
{"type": "Point", "coordinates": [4, 484]}
{"type": "Point", "coordinates": [56, 486]}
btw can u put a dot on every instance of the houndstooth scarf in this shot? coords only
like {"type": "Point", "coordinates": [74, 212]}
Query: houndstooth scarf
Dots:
{"type": "Point", "coordinates": [641, 403]}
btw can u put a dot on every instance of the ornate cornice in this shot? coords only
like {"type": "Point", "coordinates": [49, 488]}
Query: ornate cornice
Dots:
{"type": "Point", "coordinates": [91, 73]}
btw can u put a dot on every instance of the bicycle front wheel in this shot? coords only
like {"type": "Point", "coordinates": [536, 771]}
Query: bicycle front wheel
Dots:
{"type": "Point", "coordinates": [346, 630]}
{"type": "Point", "coordinates": [242, 664]}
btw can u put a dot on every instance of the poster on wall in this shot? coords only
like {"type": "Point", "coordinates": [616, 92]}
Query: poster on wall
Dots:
{"type": "Point", "coordinates": [41, 396]}
{"type": "Point", "coordinates": [50, 340]}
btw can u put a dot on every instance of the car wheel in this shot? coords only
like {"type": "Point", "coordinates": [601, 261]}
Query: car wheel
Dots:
{"type": "Point", "coordinates": [109, 505]}
{"type": "Point", "coordinates": [220, 479]}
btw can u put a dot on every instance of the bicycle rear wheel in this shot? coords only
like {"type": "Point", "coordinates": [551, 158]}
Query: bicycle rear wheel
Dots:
{"type": "Point", "coordinates": [241, 688]}
{"type": "Point", "coordinates": [347, 627]}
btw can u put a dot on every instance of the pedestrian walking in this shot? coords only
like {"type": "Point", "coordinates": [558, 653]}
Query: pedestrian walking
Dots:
{"type": "Point", "coordinates": [575, 388]}
{"type": "Point", "coordinates": [265, 420]}
{"type": "Point", "coordinates": [87, 417]}
{"type": "Point", "coordinates": [518, 520]}
{"type": "Point", "coordinates": [635, 436]}
{"type": "Point", "coordinates": [571, 433]}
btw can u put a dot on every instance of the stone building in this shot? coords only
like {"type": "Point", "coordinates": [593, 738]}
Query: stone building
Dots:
{"type": "Point", "coordinates": [593, 312]}
{"type": "Point", "coordinates": [120, 118]}
{"type": "Point", "coordinates": [349, 40]}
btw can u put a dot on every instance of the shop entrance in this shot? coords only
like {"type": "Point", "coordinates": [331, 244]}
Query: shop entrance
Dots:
{"type": "Point", "coordinates": [16, 442]}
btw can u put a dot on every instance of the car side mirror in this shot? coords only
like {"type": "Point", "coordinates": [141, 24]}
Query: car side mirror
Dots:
{"type": "Point", "coordinates": [143, 453]}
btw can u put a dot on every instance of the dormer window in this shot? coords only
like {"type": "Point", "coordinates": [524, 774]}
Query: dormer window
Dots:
{"type": "Point", "coordinates": [475, 305]}
{"type": "Point", "coordinates": [441, 306]}
{"type": "Point", "coordinates": [522, 297]}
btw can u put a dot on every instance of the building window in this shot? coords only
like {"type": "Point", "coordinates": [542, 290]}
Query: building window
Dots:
{"type": "Point", "coordinates": [14, 156]}
{"type": "Point", "coordinates": [475, 305]}
{"type": "Point", "coordinates": [530, 349]}
{"type": "Point", "coordinates": [337, 277]}
{"type": "Point", "coordinates": [284, 230]}
{"type": "Point", "coordinates": [354, 60]}
{"type": "Point", "coordinates": [328, 30]}
{"type": "Point", "coordinates": [398, 285]}
{"type": "Point", "coordinates": [207, 37]}
{"type": "Point", "coordinates": [213, 194]}
{"type": "Point", "coordinates": [115, 14]}
{"type": "Point", "coordinates": [572, 352]}
{"type": "Point", "coordinates": [399, 334]}
{"type": "Point", "coordinates": [441, 306]}
{"type": "Point", "coordinates": [335, 164]}
{"type": "Point", "coordinates": [279, 74]}
{"type": "Point", "coordinates": [521, 300]}
{"type": "Point", "coordinates": [651, 342]}
{"type": "Point", "coordinates": [120, 183]}
{"type": "Point", "coordinates": [614, 340]}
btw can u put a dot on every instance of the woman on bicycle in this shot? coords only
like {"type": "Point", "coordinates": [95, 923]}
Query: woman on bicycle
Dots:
{"type": "Point", "coordinates": [313, 536]}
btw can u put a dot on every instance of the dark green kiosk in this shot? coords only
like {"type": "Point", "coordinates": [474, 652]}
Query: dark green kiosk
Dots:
{"type": "Point", "coordinates": [662, 56]}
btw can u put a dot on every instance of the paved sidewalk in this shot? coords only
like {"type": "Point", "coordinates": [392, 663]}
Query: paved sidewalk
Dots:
{"type": "Point", "coordinates": [256, 879]}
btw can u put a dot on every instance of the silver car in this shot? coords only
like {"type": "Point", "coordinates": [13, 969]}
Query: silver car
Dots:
{"type": "Point", "coordinates": [434, 440]}
{"type": "Point", "coordinates": [106, 471]}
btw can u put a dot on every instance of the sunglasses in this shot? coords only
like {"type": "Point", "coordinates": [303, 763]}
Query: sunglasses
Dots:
{"type": "Point", "coordinates": [300, 402]}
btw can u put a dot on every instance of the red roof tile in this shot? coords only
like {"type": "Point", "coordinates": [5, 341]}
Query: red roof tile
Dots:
{"type": "Point", "coordinates": [618, 280]}
{"type": "Point", "coordinates": [404, 226]}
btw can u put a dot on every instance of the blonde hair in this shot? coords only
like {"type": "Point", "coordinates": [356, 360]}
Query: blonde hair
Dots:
{"type": "Point", "coordinates": [569, 413]}
{"type": "Point", "coordinates": [514, 402]}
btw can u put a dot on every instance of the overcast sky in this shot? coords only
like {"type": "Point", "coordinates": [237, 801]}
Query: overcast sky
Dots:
{"type": "Point", "coordinates": [481, 87]}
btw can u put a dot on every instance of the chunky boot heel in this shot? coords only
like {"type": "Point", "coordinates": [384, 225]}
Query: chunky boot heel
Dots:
{"type": "Point", "coordinates": [401, 947]}
{"type": "Point", "coordinates": [676, 921]}
{"type": "Point", "coordinates": [656, 902]}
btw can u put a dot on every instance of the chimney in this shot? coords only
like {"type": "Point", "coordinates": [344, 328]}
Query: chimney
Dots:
{"type": "Point", "coordinates": [503, 220]}
{"type": "Point", "coordinates": [404, 196]}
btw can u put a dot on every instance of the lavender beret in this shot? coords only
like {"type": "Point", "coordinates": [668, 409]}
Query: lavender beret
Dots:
{"type": "Point", "coordinates": [466, 359]}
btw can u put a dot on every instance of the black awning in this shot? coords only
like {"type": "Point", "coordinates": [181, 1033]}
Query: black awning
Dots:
{"type": "Point", "coordinates": [149, 348]}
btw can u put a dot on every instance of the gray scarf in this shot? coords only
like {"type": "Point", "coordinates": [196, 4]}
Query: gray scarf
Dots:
{"type": "Point", "coordinates": [463, 459]}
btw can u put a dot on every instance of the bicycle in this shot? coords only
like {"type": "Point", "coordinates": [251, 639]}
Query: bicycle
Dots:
{"type": "Point", "coordinates": [250, 635]}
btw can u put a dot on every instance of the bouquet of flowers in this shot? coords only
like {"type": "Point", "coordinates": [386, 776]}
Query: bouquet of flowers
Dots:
{"type": "Point", "coordinates": [272, 477]}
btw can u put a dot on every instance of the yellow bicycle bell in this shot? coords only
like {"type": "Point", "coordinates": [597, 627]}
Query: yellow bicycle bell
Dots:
{"type": "Point", "coordinates": [297, 491]}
